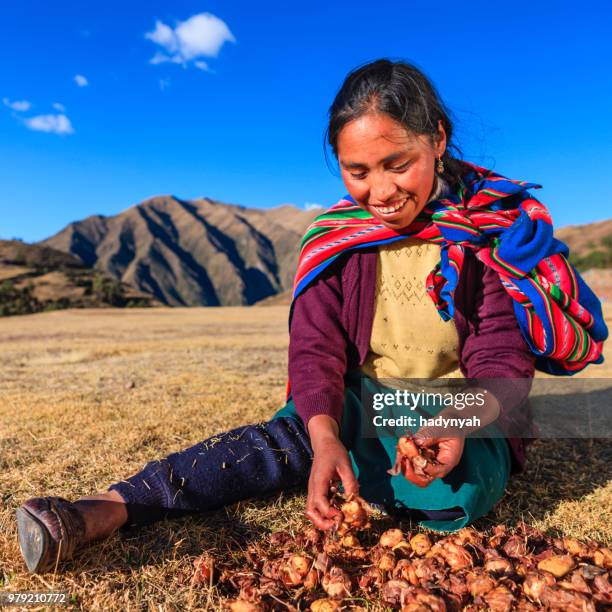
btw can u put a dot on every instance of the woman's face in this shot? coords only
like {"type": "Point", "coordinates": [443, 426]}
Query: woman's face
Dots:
{"type": "Point", "coordinates": [386, 169]}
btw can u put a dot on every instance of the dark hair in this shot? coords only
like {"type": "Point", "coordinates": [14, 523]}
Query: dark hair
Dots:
{"type": "Point", "coordinates": [403, 92]}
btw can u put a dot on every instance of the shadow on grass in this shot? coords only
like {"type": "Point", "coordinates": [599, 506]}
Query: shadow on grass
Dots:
{"type": "Point", "coordinates": [226, 533]}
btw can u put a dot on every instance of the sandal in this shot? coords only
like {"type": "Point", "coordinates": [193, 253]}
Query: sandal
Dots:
{"type": "Point", "coordinates": [50, 530]}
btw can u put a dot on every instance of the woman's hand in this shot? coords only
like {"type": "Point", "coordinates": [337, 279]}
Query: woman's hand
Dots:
{"type": "Point", "coordinates": [331, 463]}
{"type": "Point", "coordinates": [448, 443]}
{"type": "Point", "coordinates": [448, 452]}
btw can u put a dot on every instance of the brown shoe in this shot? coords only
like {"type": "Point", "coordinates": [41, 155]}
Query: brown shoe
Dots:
{"type": "Point", "coordinates": [50, 530]}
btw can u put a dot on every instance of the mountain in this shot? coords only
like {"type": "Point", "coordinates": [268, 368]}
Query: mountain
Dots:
{"type": "Point", "coordinates": [192, 253]}
{"type": "Point", "coordinates": [582, 238]}
{"type": "Point", "coordinates": [590, 245]}
{"type": "Point", "coordinates": [35, 278]}
{"type": "Point", "coordinates": [590, 248]}
{"type": "Point", "coordinates": [280, 299]}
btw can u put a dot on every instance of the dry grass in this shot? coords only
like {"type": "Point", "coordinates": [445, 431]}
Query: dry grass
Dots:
{"type": "Point", "coordinates": [88, 397]}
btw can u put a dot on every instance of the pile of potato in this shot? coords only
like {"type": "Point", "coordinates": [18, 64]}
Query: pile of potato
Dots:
{"type": "Point", "coordinates": [413, 572]}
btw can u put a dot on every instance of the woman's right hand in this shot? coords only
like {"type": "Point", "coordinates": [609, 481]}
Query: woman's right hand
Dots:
{"type": "Point", "coordinates": [331, 463]}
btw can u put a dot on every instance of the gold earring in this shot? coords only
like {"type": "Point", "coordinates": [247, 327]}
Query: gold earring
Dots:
{"type": "Point", "coordinates": [440, 166]}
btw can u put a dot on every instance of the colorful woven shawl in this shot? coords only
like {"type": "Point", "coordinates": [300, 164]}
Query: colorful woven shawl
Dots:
{"type": "Point", "coordinates": [510, 231]}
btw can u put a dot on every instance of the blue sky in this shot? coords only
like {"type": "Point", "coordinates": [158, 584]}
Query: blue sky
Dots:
{"type": "Point", "coordinates": [234, 104]}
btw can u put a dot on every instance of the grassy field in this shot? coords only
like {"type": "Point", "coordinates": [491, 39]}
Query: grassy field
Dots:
{"type": "Point", "coordinates": [87, 397]}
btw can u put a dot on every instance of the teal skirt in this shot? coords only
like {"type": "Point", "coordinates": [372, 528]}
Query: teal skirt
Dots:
{"type": "Point", "coordinates": [475, 485]}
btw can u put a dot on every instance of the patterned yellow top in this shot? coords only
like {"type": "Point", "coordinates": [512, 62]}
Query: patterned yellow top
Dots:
{"type": "Point", "coordinates": [409, 338]}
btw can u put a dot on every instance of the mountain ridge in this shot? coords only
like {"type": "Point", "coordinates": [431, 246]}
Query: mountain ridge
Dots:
{"type": "Point", "coordinates": [199, 252]}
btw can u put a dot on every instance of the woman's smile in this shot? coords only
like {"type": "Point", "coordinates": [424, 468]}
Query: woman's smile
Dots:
{"type": "Point", "coordinates": [389, 210]}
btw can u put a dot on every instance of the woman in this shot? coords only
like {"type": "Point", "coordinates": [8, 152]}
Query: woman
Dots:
{"type": "Point", "coordinates": [363, 313]}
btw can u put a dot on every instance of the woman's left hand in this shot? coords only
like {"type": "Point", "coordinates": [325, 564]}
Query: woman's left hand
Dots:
{"type": "Point", "coordinates": [448, 455]}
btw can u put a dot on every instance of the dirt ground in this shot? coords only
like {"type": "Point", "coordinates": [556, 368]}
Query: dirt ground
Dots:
{"type": "Point", "coordinates": [87, 397]}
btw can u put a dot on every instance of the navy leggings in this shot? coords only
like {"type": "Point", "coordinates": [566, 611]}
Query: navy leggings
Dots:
{"type": "Point", "coordinates": [243, 463]}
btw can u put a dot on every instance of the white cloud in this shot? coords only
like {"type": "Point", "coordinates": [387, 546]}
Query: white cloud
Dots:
{"type": "Point", "coordinates": [59, 107]}
{"type": "Point", "coordinates": [21, 106]}
{"type": "Point", "coordinates": [164, 84]}
{"type": "Point", "coordinates": [164, 36]}
{"type": "Point", "coordinates": [53, 124]}
{"type": "Point", "coordinates": [161, 58]}
{"type": "Point", "coordinates": [80, 80]}
{"type": "Point", "coordinates": [312, 206]}
{"type": "Point", "coordinates": [201, 35]}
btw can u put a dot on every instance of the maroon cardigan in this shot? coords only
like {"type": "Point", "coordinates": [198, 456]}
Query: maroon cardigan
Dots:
{"type": "Point", "coordinates": [330, 326]}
